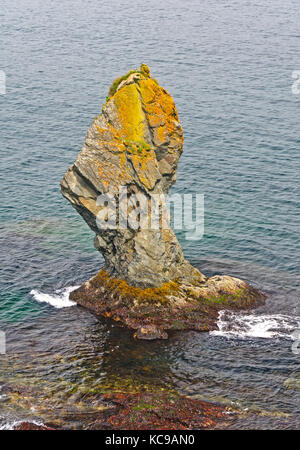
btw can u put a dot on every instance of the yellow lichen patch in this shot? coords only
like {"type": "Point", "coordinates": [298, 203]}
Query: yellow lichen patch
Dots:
{"type": "Point", "coordinates": [168, 104]}
{"type": "Point", "coordinates": [115, 146]}
{"type": "Point", "coordinates": [116, 174]}
{"type": "Point", "coordinates": [156, 120]}
{"type": "Point", "coordinates": [106, 134]}
{"type": "Point", "coordinates": [162, 133]}
{"type": "Point", "coordinates": [148, 90]}
{"type": "Point", "coordinates": [111, 137]}
{"type": "Point", "coordinates": [156, 97]}
{"type": "Point", "coordinates": [144, 161]}
{"type": "Point", "coordinates": [131, 115]}
{"type": "Point", "coordinates": [133, 294]}
{"type": "Point", "coordinates": [136, 104]}
{"type": "Point", "coordinates": [160, 111]}
{"type": "Point", "coordinates": [123, 166]}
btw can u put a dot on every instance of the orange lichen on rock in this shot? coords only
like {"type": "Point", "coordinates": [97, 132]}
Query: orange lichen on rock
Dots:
{"type": "Point", "coordinates": [121, 288]}
{"type": "Point", "coordinates": [145, 112]}
{"type": "Point", "coordinates": [160, 110]}
{"type": "Point", "coordinates": [116, 170]}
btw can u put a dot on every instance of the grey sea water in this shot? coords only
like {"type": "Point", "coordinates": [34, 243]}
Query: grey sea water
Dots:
{"type": "Point", "coordinates": [228, 65]}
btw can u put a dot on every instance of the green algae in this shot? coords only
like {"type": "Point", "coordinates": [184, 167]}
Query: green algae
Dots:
{"type": "Point", "coordinates": [143, 70]}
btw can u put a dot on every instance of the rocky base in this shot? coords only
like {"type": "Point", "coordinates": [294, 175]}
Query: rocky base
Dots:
{"type": "Point", "coordinates": [176, 305]}
{"type": "Point", "coordinates": [118, 184]}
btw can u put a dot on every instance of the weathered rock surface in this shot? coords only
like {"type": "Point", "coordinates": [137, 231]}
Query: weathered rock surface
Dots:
{"type": "Point", "coordinates": [150, 332]}
{"type": "Point", "coordinates": [164, 411]}
{"type": "Point", "coordinates": [136, 143]}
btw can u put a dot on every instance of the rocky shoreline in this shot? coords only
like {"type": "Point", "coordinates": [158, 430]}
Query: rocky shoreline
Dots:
{"type": "Point", "coordinates": [148, 411]}
{"type": "Point", "coordinates": [164, 411]}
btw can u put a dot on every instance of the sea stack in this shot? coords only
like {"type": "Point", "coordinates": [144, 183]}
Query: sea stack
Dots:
{"type": "Point", "coordinates": [130, 157]}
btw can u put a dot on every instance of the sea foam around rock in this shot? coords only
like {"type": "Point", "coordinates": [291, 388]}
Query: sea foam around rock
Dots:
{"type": "Point", "coordinates": [60, 299]}
{"type": "Point", "coordinates": [240, 325]}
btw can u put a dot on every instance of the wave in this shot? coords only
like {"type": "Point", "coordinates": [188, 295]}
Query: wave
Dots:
{"type": "Point", "coordinates": [240, 325]}
{"type": "Point", "coordinates": [59, 300]}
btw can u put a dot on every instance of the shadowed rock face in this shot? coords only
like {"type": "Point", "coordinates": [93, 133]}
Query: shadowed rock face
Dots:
{"type": "Point", "coordinates": [146, 283]}
{"type": "Point", "coordinates": [136, 142]}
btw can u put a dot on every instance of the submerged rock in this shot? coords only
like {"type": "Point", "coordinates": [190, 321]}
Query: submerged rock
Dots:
{"type": "Point", "coordinates": [150, 332]}
{"type": "Point", "coordinates": [130, 158]}
{"type": "Point", "coordinates": [172, 411]}
{"type": "Point", "coordinates": [292, 383]}
{"type": "Point", "coordinates": [163, 411]}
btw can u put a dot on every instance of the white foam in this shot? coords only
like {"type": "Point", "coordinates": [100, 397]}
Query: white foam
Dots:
{"type": "Point", "coordinates": [240, 325]}
{"type": "Point", "coordinates": [59, 300]}
{"type": "Point", "coordinates": [15, 423]}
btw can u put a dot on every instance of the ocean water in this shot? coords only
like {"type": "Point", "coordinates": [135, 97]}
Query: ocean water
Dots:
{"type": "Point", "coordinates": [229, 67]}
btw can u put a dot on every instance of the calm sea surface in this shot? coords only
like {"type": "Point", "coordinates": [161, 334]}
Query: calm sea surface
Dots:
{"type": "Point", "coordinates": [228, 65]}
